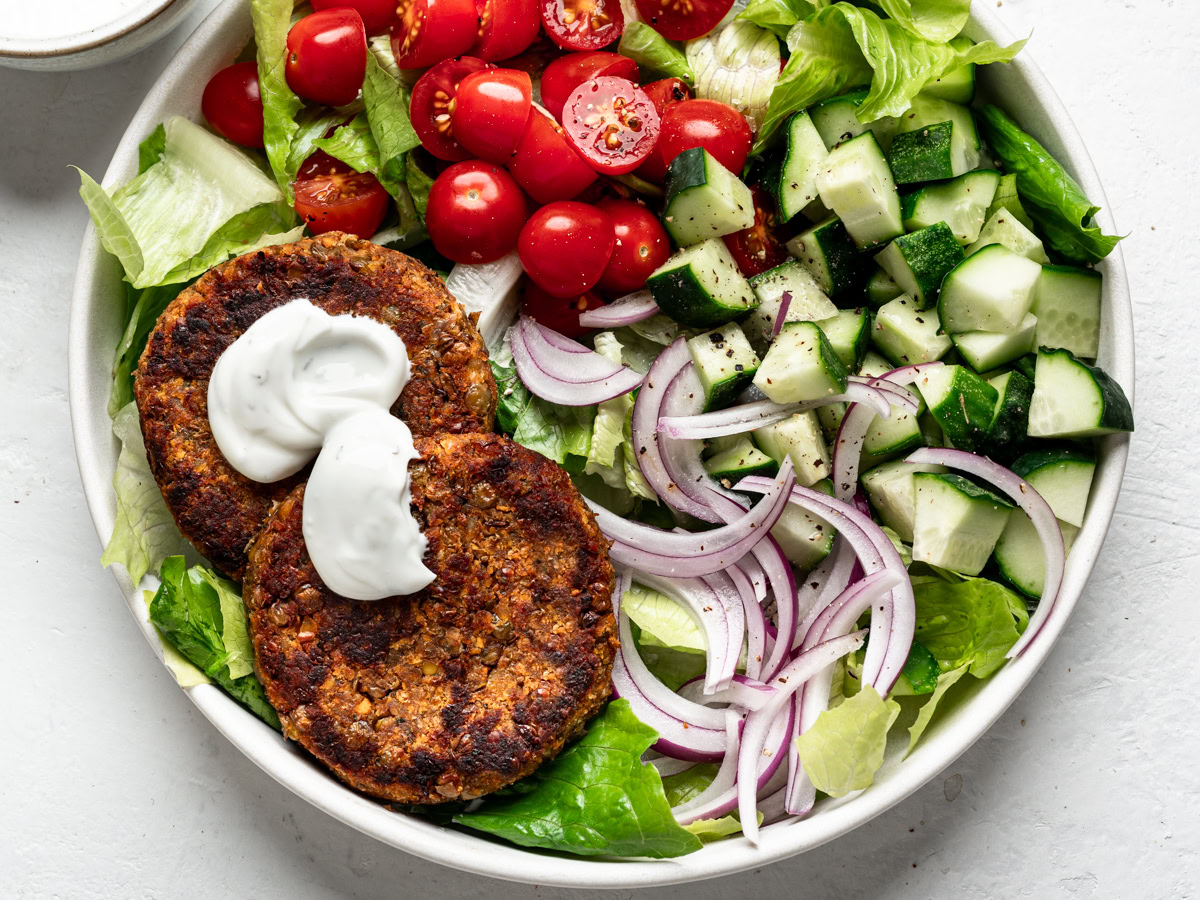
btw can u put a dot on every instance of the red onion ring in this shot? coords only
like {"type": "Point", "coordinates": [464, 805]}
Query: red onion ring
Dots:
{"type": "Point", "coordinates": [546, 373]}
{"type": "Point", "coordinates": [628, 310]}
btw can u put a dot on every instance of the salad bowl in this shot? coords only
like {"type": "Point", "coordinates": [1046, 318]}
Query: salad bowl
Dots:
{"type": "Point", "coordinates": [95, 326]}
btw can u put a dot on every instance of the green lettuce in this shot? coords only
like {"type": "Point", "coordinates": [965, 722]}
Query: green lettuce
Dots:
{"type": "Point", "coordinates": [386, 103]}
{"type": "Point", "coordinates": [419, 182]}
{"type": "Point", "coordinates": [202, 616]}
{"type": "Point", "coordinates": [972, 623]}
{"type": "Point", "coordinates": [778, 16]}
{"type": "Point", "coordinates": [933, 20]}
{"type": "Point", "coordinates": [142, 310]}
{"type": "Point", "coordinates": [272, 21]}
{"type": "Point", "coordinates": [150, 149]}
{"type": "Point", "coordinates": [1007, 198]}
{"type": "Point", "coordinates": [920, 673]}
{"type": "Point", "coordinates": [684, 786]}
{"type": "Point", "coordinates": [844, 748]}
{"type": "Point", "coordinates": [662, 620]}
{"type": "Point", "coordinates": [1052, 197]}
{"type": "Point", "coordinates": [656, 56]}
{"type": "Point", "coordinates": [605, 456]}
{"type": "Point", "coordinates": [596, 799]}
{"type": "Point", "coordinates": [945, 681]}
{"type": "Point", "coordinates": [738, 66]}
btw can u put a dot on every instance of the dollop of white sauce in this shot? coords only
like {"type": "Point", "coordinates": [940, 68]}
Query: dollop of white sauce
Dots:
{"type": "Point", "coordinates": [300, 383]}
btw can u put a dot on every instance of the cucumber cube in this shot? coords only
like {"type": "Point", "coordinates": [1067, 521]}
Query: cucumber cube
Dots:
{"type": "Point", "coordinates": [801, 365]}
{"type": "Point", "coordinates": [848, 332]}
{"type": "Point", "coordinates": [1010, 421]}
{"type": "Point", "coordinates": [856, 183]}
{"type": "Point", "coordinates": [800, 438]}
{"type": "Point", "coordinates": [796, 187]}
{"type": "Point", "coordinates": [1074, 400]}
{"type": "Point", "coordinates": [725, 363]}
{"type": "Point", "coordinates": [919, 261]}
{"type": "Point", "coordinates": [881, 288]}
{"type": "Point", "coordinates": [923, 155]}
{"type": "Point", "coordinates": [805, 539]}
{"type": "Point", "coordinates": [961, 203]}
{"type": "Point", "coordinates": [1062, 477]}
{"type": "Point", "coordinates": [907, 335]}
{"type": "Point", "coordinates": [702, 286]}
{"type": "Point", "coordinates": [1020, 556]}
{"type": "Point", "coordinates": [836, 120]}
{"type": "Point", "coordinates": [704, 199]}
{"type": "Point", "coordinates": [987, 350]}
{"type": "Point", "coordinates": [957, 523]}
{"type": "Point", "coordinates": [927, 111]}
{"type": "Point", "coordinates": [731, 465]}
{"type": "Point", "coordinates": [962, 403]}
{"type": "Point", "coordinates": [828, 252]}
{"type": "Point", "coordinates": [808, 302]}
{"type": "Point", "coordinates": [1006, 229]}
{"type": "Point", "coordinates": [893, 495]}
{"type": "Point", "coordinates": [991, 290]}
{"type": "Point", "coordinates": [1067, 306]}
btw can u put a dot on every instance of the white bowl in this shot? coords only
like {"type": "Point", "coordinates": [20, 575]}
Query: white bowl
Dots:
{"type": "Point", "coordinates": [94, 334]}
{"type": "Point", "coordinates": [78, 34]}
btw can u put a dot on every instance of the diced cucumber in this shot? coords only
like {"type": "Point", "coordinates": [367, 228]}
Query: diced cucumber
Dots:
{"type": "Point", "coordinates": [796, 187]}
{"type": "Point", "coordinates": [987, 350]}
{"type": "Point", "coordinates": [919, 261]}
{"type": "Point", "coordinates": [907, 335]}
{"type": "Point", "coordinates": [957, 523]}
{"type": "Point", "coordinates": [961, 401]}
{"type": "Point", "coordinates": [702, 286]}
{"type": "Point", "coordinates": [800, 365]}
{"type": "Point", "coordinates": [1073, 400]}
{"type": "Point", "coordinates": [892, 493]}
{"type": "Point", "coordinates": [1010, 420]}
{"type": "Point", "coordinates": [924, 155]}
{"type": "Point", "coordinates": [989, 291]}
{"type": "Point", "coordinates": [888, 438]}
{"type": "Point", "coordinates": [931, 431]}
{"type": "Point", "coordinates": [808, 302]}
{"type": "Point", "coordinates": [828, 252]}
{"type": "Point", "coordinates": [805, 539]}
{"type": "Point", "coordinates": [957, 85]}
{"type": "Point", "coordinates": [874, 365]}
{"type": "Point", "coordinates": [1005, 228]}
{"type": "Point", "coordinates": [927, 111]}
{"type": "Point", "coordinates": [961, 203]}
{"type": "Point", "coordinates": [836, 120]}
{"type": "Point", "coordinates": [856, 183]}
{"type": "Point", "coordinates": [725, 363]}
{"type": "Point", "coordinates": [1027, 366]}
{"type": "Point", "coordinates": [1020, 555]}
{"type": "Point", "coordinates": [881, 288]}
{"type": "Point", "coordinates": [816, 212]}
{"type": "Point", "coordinates": [830, 416]}
{"type": "Point", "coordinates": [848, 332]}
{"type": "Point", "coordinates": [732, 465]}
{"type": "Point", "coordinates": [799, 438]}
{"type": "Point", "coordinates": [1007, 198]}
{"type": "Point", "coordinates": [704, 199]}
{"type": "Point", "coordinates": [713, 446]}
{"type": "Point", "coordinates": [1063, 477]}
{"type": "Point", "coordinates": [1067, 306]}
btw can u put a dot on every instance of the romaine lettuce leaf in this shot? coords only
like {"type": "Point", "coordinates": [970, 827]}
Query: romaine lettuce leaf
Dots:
{"type": "Point", "coordinates": [596, 799]}
{"type": "Point", "coordinates": [655, 55]}
{"type": "Point", "coordinates": [945, 681]}
{"type": "Point", "coordinates": [1051, 196]}
{"type": "Point", "coordinates": [844, 748]}
{"type": "Point", "coordinates": [419, 182]}
{"type": "Point", "coordinates": [933, 20]}
{"type": "Point", "coordinates": [684, 786]}
{"type": "Point", "coordinates": [142, 310]}
{"type": "Point", "coordinates": [605, 456]}
{"type": "Point", "coordinates": [272, 21]}
{"type": "Point", "coordinates": [778, 16]}
{"type": "Point", "coordinates": [151, 148]}
{"type": "Point", "coordinates": [972, 623]}
{"type": "Point", "coordinates": [1007, 198]}
{"type": "Point", "coordinates": [386, 104]}
{"type": "Point", "coordinates": [663, 621]}
{"type": "Point", "coordinates": [737, 65]}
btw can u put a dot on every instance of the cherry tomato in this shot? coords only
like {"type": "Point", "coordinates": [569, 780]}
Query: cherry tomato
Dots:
{"type": "Point", "coordinates": [717, 127]}
{"type": "Point", "coordinates": [641, 247]}
{"type": "Point", "coordinates": [432, 107]}
{"type": "Point", "coordinates": [233, 105]}
{"type": "Point", "coordinates": [330, 196]}
{"type": "Point", "coordinates": [612, 123]}
{"type": "Point", "coordinates": [327, 56]}
{"type": "Point", "coordinates": [558, 313]}
{"type": "Point", "coordinates": [568, 72]}
{"type": "Point", "coordinates": [759, 247]}
{"type": "Point", "coordinates": [663, 94]}
{"type": "Point", "coordinates": [583, 24]}
{"type": "Point", "coordinates": [565, 247]}
{"type": "Point", "coordinates": [377, 15]}
{"type": "Point", "coordinates": [682, 20]}
{"type": "Point", "coordinates": [475, 212]}
{"type": "Point", "coordinates": [545, 164]}
{"type": "Point", "coordinates": [428, 31]}
{"type": "Point", "coordinates": [491, 110]}
{"type": "Point", "coordinates": [506, 28]}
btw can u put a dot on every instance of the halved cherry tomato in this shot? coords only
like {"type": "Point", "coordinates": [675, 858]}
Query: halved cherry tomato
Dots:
{"type": "Point", "coordinates": [568, 72]}
{"type": "Point", "coordinates": [233, 105]}
{"type": "Point", "coordinates": [491, 110]}
{"type": "Point", "coordinates": [583, 24]}
{"type": "Point", "coordinates": [612, 123]}
{"type": "Point", "coordinates": [432, 107]}
{"type": "Point", "coordinates": [717, 127]}
{"type": "Point", "coordinates": [759, 247]}
{"type": "Point", "coordinates": [545, 164]}
{"type": "Point", "coordinates": [475, 212]}
{"type": "Point", "coordinates": [330, 196]}
{"type": "Point", "coordinates": [682, 20]}
{"type": "Point", "coordinates": [565, 247]}
{"type": "Point", "coordinates": [327, 56]}
{"type": "Point", "coordinates": [663, 94]}
{"type": "Point", "coordinates": [428, 31]}
{"type": "Point", "coordinates": [506, 28]}
{"type": "Point", "coordinates": [558, 313]}
{"type": "Point", "coordinates": [641, 247]}
{"type": "Point", "coordinates": [377, 15]}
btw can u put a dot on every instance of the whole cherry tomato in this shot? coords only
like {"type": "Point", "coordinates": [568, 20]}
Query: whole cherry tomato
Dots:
{"type": "Point", "coordinates": [327, 56]}
{"type": "Point", "coordinates": [433, 102]}
{"type": "Point", "coordinates": [683, 21]}
{"type": "Point", "coordinates": [545, 164]}
{"type": "Point", "coordinates": [612, 123]}
{"type": "Point", "coordinates": [641, 247]}
{"type": "Point", "coordinates": [560, 314]}
{"type": "Point", "coordinates": [717, 127]}
{"type": "Point", "coordinates": [759, 247]}
{"type": "Point", "coordinates": [331, 196]}
{"type": "Point", "coordinates": [377, 15]}
{"type": "Point", "coordinates": [565, 247]}
{"type": "Point", "coordinates": [583, 24]}
{"type": "Point", "coordinates": [663, 94]}
{"type": "Point", "coordinates": [506, 28]}
{"type": "Point", "coordinates": [568, 72]}
{"type": "Point", "coordinates": [491, 110]}
{"type": "Point", "coordinates": [475, 212]}
{"type": "Point", "coordinates": [233, 106]}
{"type": "Point", "coordinates": [429, 31]}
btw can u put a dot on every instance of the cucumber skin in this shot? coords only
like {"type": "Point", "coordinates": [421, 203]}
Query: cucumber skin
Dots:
{"type": "Point", "coordinates": [687, 170]}
{"type": "Point", "coordinates": [970, 400]}
{"type": "Point", "coordinates": [967, 487]}
{"type": "Point", "coordinates": [1007, 436]}
{"type": "Point", "coordinates": [922, 155]}
{"type": "Point", "coordinates": [1115, 413]}
{"type": "Point", "coordinates": [729, 478]}
{"type": "Point", "coordinates": [1030, 462]}
{"type": "Point", "coordinates": [939, 251]}
{"type": "Point", "coordinates": [676, 294]}
{"type": "Point", "coordinates": [726, 392]}
{"type": "Point", "coordinates": [847, 272]}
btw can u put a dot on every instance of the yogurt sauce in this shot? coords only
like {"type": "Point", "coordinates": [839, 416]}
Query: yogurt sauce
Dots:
{"type": "Point", "coordinates": [301, 383]}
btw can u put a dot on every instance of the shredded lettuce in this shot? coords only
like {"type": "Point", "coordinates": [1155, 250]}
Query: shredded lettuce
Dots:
{"type": "Point", "coordinates": [737, 65]}
{"type": "Point", "coordinates": [971, 623]}
{"type": "Point", "coordinates": [844, 748]}
{"type": "Point", "coordinates": [272, 21]}
{"type": "Point", "coordinates": [656, 56]}
{"type": "Point", "coordinates": [945, 681]}
{"type": "Point", "coordinates": [933, 20]}
{"type": "Point", "coordinates": [1052, 197]}
{"type": "Point", "coordinates": [596, 799]}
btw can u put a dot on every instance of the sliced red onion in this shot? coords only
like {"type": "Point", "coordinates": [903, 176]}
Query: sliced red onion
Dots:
{"type": "Point", "coordinates": [744, 691]}
{"type": "Point", "coordinates": [822, 585]}
{"type": "Point", "coordinates": [537, 334]}
{"type": "Point", "coordinates": [749, 565]}
{"type": "Point", "coordinates": [733, 604]}
{"type": "Point", "coordinates": [547, 372]}
{"type": "Point", "coordinates": [755, 621]}
{"type": "Point", "coordinates": [785, 303]}
{"type": "Point", "coordinates": [1039, 512]}
{"type": "Point", "coordinates": [627, 310]}
{"type": "Point", "coordinates": [682, 458]}
{"type": "Point", "coordinates": [667, 765]}
{"type": "Point", "coordinates": [726, 774]}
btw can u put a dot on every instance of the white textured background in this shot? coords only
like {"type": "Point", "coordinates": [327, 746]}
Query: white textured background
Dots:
{"type": "Point", "coordinates": [111, 785]}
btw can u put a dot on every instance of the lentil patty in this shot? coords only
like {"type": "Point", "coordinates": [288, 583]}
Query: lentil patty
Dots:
{"type": "Point", "coordinates": [218, 509]}
{"type": "Point", "coordinates": [469, 684]}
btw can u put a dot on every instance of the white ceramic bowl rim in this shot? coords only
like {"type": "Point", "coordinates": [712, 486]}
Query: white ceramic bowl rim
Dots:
{"type": "Point", "coordinates": [1028, 96]}
{"type": "Point", "coordinates": [66, 42]}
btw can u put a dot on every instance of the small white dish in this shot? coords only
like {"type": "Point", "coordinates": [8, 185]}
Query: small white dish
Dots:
{"type": "Point", "coordinates": [95, 328]}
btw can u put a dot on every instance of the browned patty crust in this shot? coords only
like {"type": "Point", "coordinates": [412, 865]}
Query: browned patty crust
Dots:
{"type": "Point", "coordinates": [218, 509]}
{"type": "Point", "coordinates": [469, 684]}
